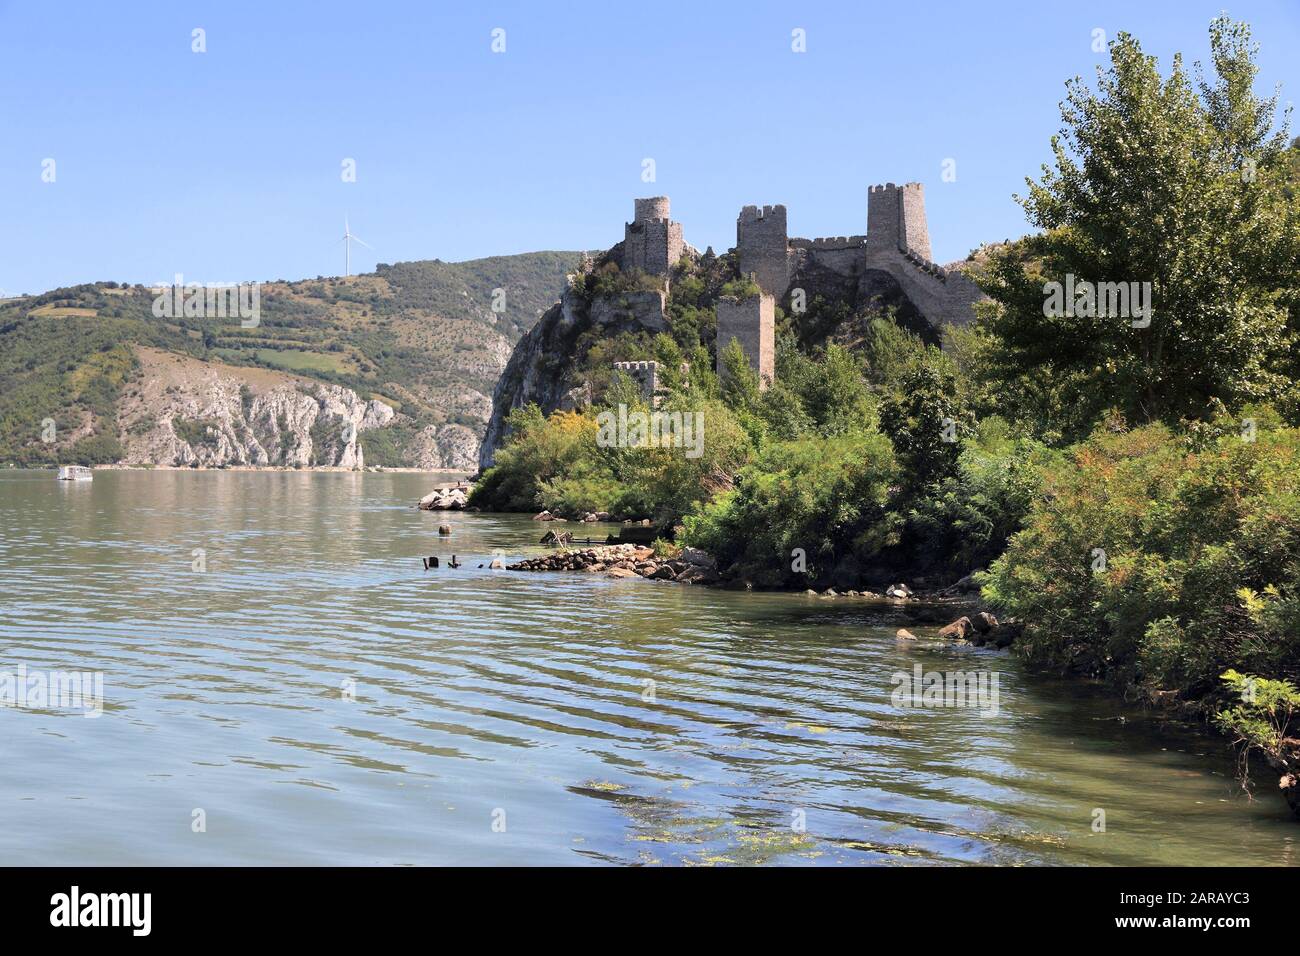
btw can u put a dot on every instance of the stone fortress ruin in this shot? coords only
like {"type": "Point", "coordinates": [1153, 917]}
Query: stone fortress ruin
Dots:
{"type": "Point", "coordinates": [893, 260]}
{"type": "Point", "coordinates": [652, 242]}
{"type": "Point", "coordinates": [888, 268]}
{"type": "Point", "coordinates": [645, 375]}
{"type": "Point", "coordinates": [897, 244]}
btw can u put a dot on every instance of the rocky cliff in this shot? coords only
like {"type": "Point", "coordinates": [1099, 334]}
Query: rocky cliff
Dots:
{"type": "Point", "coordinates": [546, 367]}
{"type": "Point", "coordinates": [182, 411]}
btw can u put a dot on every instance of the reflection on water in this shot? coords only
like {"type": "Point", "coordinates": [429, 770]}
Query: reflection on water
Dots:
{"type": "Point", "coordinates": [322, 699]}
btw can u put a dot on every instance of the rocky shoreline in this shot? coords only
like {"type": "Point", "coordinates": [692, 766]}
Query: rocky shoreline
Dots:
{"type": "Point", "coordinates": [628, 560]}
{"type": "Point", "coordinates": [980, 628]}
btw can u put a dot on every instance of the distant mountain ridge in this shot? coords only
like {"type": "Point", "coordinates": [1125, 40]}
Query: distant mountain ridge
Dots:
{"type": "Point", "coordinates": [81, 368]}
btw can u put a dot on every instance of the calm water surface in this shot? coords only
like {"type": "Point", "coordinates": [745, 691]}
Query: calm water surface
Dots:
{"type": "Point", "coordinates": [487, 697]}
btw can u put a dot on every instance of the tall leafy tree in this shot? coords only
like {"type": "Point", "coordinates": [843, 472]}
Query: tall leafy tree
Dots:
{"type": "Point", "coordinates": [1155, 181]}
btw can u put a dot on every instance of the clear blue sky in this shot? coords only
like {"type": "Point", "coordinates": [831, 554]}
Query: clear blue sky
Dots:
{"type": "Point", "coordinates": [225, 165]}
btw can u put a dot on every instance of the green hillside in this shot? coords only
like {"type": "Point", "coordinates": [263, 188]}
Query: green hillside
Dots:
{"type": "Point", "coordinates": [421, 336]}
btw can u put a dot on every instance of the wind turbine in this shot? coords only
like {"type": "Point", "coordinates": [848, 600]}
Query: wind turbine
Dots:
{"type": "Point", "coordinates": [347, 241]}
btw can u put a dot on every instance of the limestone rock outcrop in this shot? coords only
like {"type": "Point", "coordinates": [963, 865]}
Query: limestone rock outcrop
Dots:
{"type": "Point", "coordinates": [187, 412]}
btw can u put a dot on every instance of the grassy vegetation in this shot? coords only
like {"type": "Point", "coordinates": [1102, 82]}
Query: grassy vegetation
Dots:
{"type": "Point", "coordinates": [295, 360]}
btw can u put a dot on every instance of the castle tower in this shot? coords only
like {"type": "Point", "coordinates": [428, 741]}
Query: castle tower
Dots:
{"type": "Point", "coordinates": [896, 218]}
{"type": "Point", "coordinates": [752, 322]}
{"type": "Point", "coordinates": [645, 375]}
{"type": "Point", "coordinates": [652, 242]}
{"type": "Point", "coordinates": [654, 207]}
{"type": "Point", "coordinates": [762, 246]}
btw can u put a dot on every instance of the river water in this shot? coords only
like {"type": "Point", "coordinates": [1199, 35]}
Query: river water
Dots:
{"type": "Point", "coordinates": [284, 683]}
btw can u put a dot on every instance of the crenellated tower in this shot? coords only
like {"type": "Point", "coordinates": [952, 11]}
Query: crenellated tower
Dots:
{"type": "Point", "coordinates": [896, 219]}
{"type": "Point", "coordinates": [652, 242]}
{"type": "Point", "coordinates": [762, 245]}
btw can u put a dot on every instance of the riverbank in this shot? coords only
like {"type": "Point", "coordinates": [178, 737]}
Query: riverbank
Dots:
{"type": "Point", "coordinates": [969, 621]}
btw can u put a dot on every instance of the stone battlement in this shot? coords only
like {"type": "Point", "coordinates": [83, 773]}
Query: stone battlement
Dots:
{"type": "Point", "coordinates": [830, 242]}
{"type": "Point", "coordinates": [925, 265]}
{"type": "Point", "coordinates": [755, 213]}
{"type": "Point", "coordinates": [646, 375]}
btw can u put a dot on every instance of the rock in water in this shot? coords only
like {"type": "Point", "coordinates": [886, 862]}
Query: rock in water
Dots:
{"type": "Point", "coordinates": [959, 630]}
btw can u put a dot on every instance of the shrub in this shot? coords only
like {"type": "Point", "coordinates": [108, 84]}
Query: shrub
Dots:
{"type": "Point", "coordinates": [1161, 566]}
{"type": "Point", "coordinates": [539, 449]}
{"type": "Point", "coordinates": [825, 496]}
{"type": "Point", "coordinates": [964, 522]}
{"type": "Point", "coordinates": [1261, 722]}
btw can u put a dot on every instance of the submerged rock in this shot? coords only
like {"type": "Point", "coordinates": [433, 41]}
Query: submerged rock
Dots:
{"type": "Point", "coordinates": [959, 630]}
{"type": "Point", "coordinates": [983, 629]}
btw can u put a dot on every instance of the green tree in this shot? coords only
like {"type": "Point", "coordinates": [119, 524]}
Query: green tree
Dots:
{"type": "Point", "coordinates": [1153, 183]}
{"type": "Point", "coordinates": [926, 424]}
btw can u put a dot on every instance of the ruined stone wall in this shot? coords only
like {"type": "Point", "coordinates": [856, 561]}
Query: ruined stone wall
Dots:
{"type": "Point", "coordinates": [752, 322]}
{"type": "Point", "coordinates": [943, 296]}
{"type": "Point", "coordinates": [839, 254]}
{"type": "Point", "coordinates": [762, 248]}
{"type": "Point", "coordinates": [646, 309]}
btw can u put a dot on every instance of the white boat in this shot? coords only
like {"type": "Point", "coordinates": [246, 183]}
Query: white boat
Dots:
{"type": "Point", "coordinates": [75, 473]}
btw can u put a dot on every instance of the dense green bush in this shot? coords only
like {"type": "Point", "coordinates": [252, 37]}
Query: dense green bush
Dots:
{"type": "Point", "coordinates": [963, 522]}
{"type": "Point", "coordinates": [824, 497]}
{"type": "Point", "coordinates": [562, 463]}
{"type": "Point", "coordinates": [1163, 565]}
{"type": "Point", "coordinates": [539, 449]}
